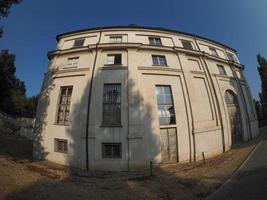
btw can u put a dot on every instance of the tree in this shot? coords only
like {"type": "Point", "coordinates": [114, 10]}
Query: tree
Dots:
{"type": "Point", "coordinates": [5, 6]}
{"type": "Point", "coordinates": [262, 69]}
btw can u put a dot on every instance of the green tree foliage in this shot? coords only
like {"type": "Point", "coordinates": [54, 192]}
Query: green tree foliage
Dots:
{"type": "Point", "coordinates": [5, 6]}
{"type": "Point", "coordinates": [13, 100]}
{"type": "Point", "coordinates": [262, 69]}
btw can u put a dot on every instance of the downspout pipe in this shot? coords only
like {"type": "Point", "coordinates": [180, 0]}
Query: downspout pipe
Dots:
{"type": "Point", "coordinates": [89, 103]}
{"type": "Point", "coordinates": [242, 96]}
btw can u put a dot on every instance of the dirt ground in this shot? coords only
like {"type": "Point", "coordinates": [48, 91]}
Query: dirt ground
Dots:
{"type": "Point", "coordinates": [21, 178]}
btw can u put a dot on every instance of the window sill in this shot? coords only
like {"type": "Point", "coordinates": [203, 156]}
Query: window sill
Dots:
{"type": "Point", "coordinates": [61, 124]}
{"type": "Point", "coordinates": [160, 65]}
{"type": "Point", "coordinates": [110, 126]}
{"type": "Point", "coordinates": [112, 65]}
{"type": "Point", "coordinates": [70, 67]}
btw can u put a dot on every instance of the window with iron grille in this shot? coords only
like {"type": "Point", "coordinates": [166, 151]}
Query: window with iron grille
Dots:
{"type": "Point", "coordinates": [159, 60]}
{"type": "Point", "coordinates": [166, 111]}
{"type": "Point", "coordinates": [72, 62]}
{"type": "Point", "coordinates": [221, 70]}
{"type": "Point", "coordinates": [154, 41]}
{"type": "Point", "coordinates": [231, 57]}
{"type": "Point", "coordinates": [187, 44]}
{"type": "Point", "coordinates": [111, 150]}
{"type": "Point", "coordinates": [63, 109]}
{"type": "Point", "coordinates": [79, 42]}
{"type": "Point", "coordinates": [115, 39]}
{"type": "Point", "coordinates": [213, 51]}
{"type": "Point", "coordinates": [60, 145]}
{"type": "Point", "coordinates": [112, 104]}
{"type": "Point", "coordinates": [114, 59]}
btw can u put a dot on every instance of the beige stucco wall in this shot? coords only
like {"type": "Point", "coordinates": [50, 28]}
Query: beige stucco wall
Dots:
{"type": "Point", "coordinates": [202, 121]}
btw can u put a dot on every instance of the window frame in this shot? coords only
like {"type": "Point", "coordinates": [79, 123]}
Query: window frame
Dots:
{"type": "Point", "coordinates": [77, 42]}
{"type": "Point", "coordinates": [187, 41]}
{"type": "Point", "coordinates": [114, 59]}
{"type": "Point", "coordinates": [231, 57]}
{"type": "Point", "coordinates": [57, 121]}
{"type": "Point", "coordinates": [114, 104]}
{"type": "Point", "coordinates": [158, 60]}
{"type": "Point", "coordinates": [153, 41]}
{"type": "Point", "coordinates": [213, 51]}
{"type": "Point", "coordinates": [221, 70]}
{"type": "Point", "coordinates": [73, 64]}
{"type": "Point", "coordinates": [115, 37]}
{"type": "Point", "coordinates": [104, 144]}
{"type": "Point", "coordinates": [56, 141]}
{"type": "Point", "coordinates": [165, 104]}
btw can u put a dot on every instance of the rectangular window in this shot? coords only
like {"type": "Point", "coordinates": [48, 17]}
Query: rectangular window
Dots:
{"type": "Point", "coordinates": [111, 150]}
{"type": "Point", "coordinates": [165, 105]}
{"type": "Point", "coordinates": [115, 39]}
{"type": "Point", "coordinates": [63, 108]}
{"type": "Point", "coordinates": [78, 42]}
{"type": "Point", "coordinates": [154, 41]}
{"type": "Point", "coordinates": [159, 60]}
{"type": "Point", "coordinates": [213, 51]}
{"type": "Point", "coordinates": [221, 70]}
{"type": "Point", "coordinates": [114, 59]}
{"type": "Point", "coordinates": [187, 44]}
{"type": "Point", "coordinates": [112, 104]}
{"type": "Point", "coordinates": [60, 145]}
{"type": "Point", "coordinates": [231, 57]}
{"type": "Point", "coordinates": [72, 62]}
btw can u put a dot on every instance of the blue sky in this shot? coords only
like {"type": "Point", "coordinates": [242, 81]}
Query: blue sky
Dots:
{"type": "Point", "coordinates": [30, 29]}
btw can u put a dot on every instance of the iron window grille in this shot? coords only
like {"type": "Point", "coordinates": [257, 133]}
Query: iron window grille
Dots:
{"type": "Point", "coordinates": [166, 111]}
{"type": "Point", "coordinates": [112, 104]}
{"type": "Point", "coordinates": [159, 60]}
{"type": "Point", "coordinates": [154, 41]}
{"type": "Point", "coordinates": [60, 145]}
{"type": "Point", "coordinates": [63, 110]}
{"type": "Point", "coordinates": [221, 69]}
{"type": "Point", "coordinates": [111, 150]}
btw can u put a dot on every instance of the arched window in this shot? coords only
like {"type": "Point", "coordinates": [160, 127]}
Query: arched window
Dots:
{"type": "Point", "coordinates": [230, 97]}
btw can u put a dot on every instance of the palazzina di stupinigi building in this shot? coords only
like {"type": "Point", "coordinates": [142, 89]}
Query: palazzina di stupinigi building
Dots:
{"type": "Point", "coordinates": [116, 98]}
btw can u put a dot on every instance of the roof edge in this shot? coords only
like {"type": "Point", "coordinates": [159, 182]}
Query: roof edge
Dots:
{"type": "Point", "coordinates": [142, 27]}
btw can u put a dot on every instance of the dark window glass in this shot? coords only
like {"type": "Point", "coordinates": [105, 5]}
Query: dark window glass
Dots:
{"type": "Point", "coordinates": [78, 42]}
{"type": "Point", "coordinates": [114, 59]}
{"type": "Point", "coordinates": [111, 150]}
{"type": "Point", "coordinates": [165, 105]}
{"type": "Point", "coordinates": [155, 41]}
{"type": "Point", "coordinates": [112, 104]}
{"type": "Point", "coordinates": [61, 145]}
{"type": "Point", "coordinates": [187, 44]}
{"type": "Point", "coordinates": [63, 110]}
{"type": "Point", "coordinates": [159, 60]}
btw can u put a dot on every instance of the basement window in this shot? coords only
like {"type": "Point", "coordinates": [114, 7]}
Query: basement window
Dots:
{"type": "Point", "coordinates": [111, 150]}
{"type": "Point", "coordinates": [61, 145]}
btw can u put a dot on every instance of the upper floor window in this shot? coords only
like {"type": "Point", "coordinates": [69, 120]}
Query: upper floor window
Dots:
{"type": "Point", "coordinates": [213, 51]}
{"type": "Point", "coordinates": [112, 104]}
{"type": "Point", "coordinates": [154, 41]}
{"type": "Point", "coordinates": [115, 39]}
{"type": "Point", "coordinates": [187, 44]}
{"type": "Point", "coordinates": [114, 59]}
{"type": "Point", "coordinates": [165, 105]}
{"type": "Point", "coordinates": [79, 42]}
{"type": "Point", "coordinates": [63, 108]}
{"type": "Point", "coordinates": [231, 57]}
{"type": "Point", "coordinates": [221, 69]}
{"type": "Point", "coordinates": [72, 62]}
{"type": "Point", "coordinates": [159, 60]}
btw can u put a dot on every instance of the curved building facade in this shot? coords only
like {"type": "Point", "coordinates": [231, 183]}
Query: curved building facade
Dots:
{"type": "Point", "coordinates": [116, 98]}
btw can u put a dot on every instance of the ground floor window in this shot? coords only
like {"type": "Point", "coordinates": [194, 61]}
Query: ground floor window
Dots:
{"type": "Point", "coordinates": [111, 150]}
{"type": "Point", "coordinates": [61, 145]}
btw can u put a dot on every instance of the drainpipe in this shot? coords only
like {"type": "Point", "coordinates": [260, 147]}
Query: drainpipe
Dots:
{"type": "Point", "coordinates": [242, 96]}
{"type": "Point", "coordinates": [217, 101]}
{"type": "Point", "coordinates": [191, 112]}
{"type": "Point", "coordinates": [89, 103]}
